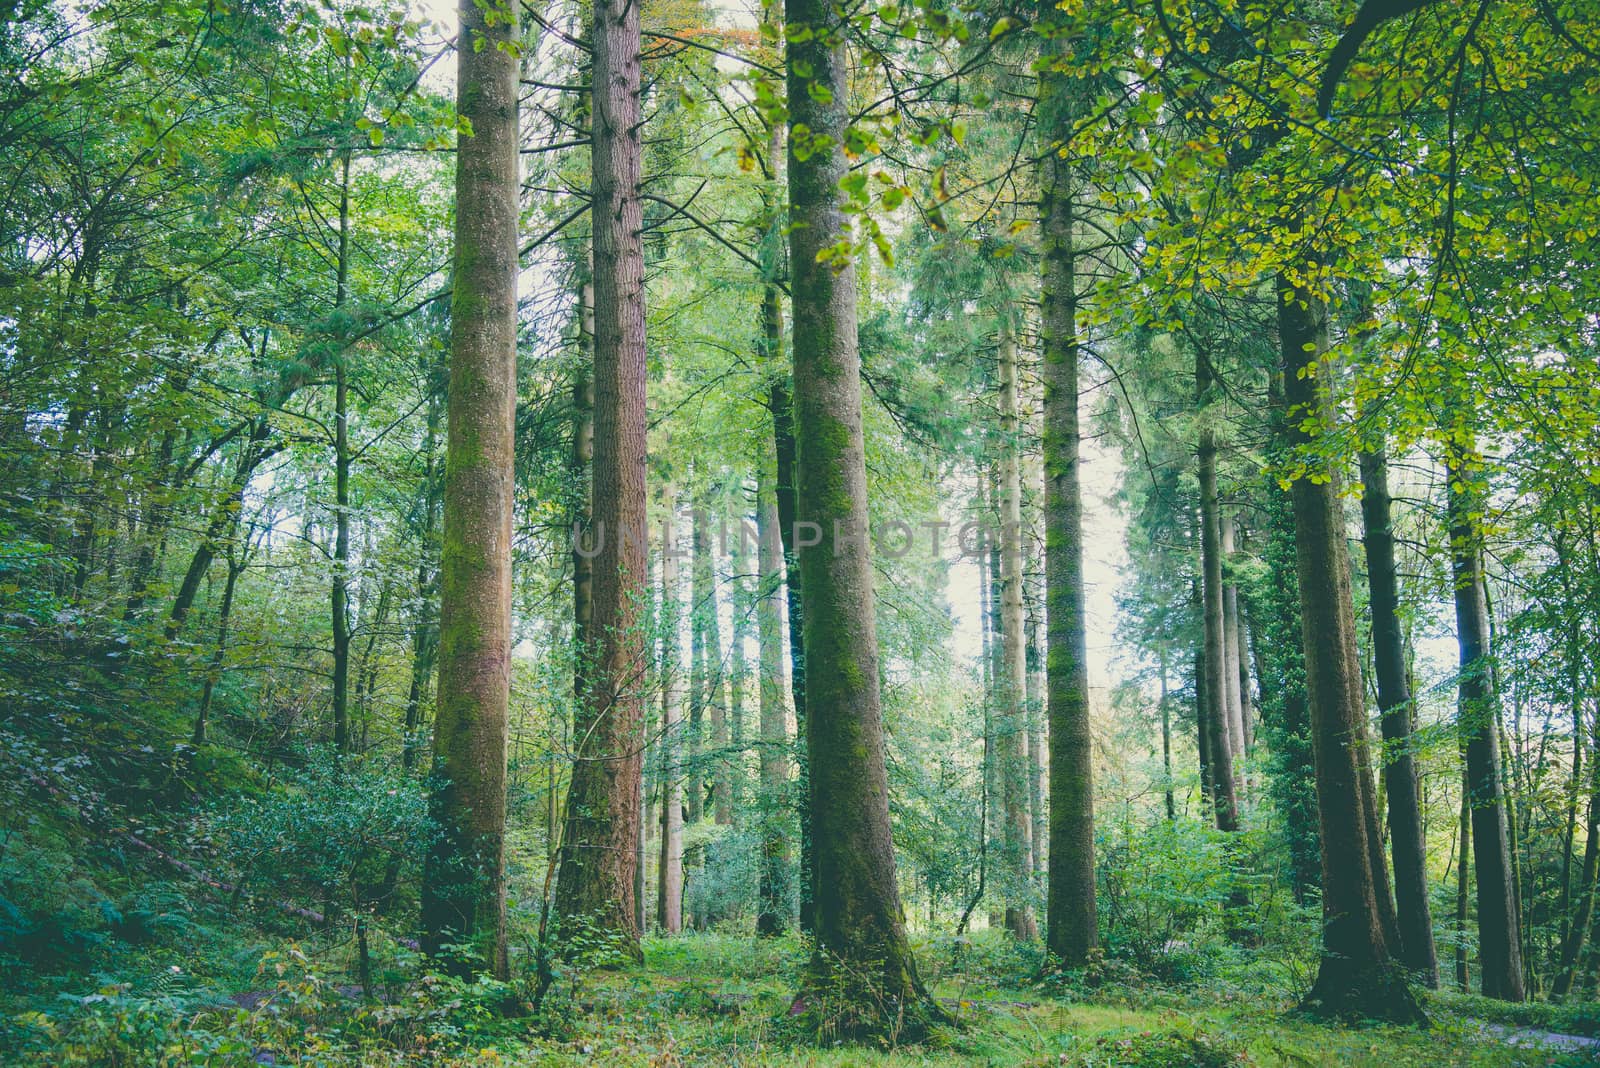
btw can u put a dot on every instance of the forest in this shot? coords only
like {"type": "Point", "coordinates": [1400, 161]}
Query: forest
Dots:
{"type": "Point", "coordinates": [671, 533]}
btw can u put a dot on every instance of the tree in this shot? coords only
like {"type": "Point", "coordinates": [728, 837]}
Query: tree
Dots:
{"type": "Point", "coordinates": [773, 917]}
{"type": "Point", "coordinates": [859, 926]}
{"type": "Point", "coordinates": [464, 882]}
{"type": "Point", "coordinates": [1070, 922]}
{"type": "Point", "coordinates": [1013, 683]}
{"type": "Point", "coordinates": [1394, 698]}
{"type": "Point", "coordinates": [1357, 974]}
{"type": "Point", "coordinates": [1499, 922]}
{"type": "Point", "coordinates": [600, 844]}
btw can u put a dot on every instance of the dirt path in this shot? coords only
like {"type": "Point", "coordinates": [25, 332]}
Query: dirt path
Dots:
{"type": "Point", "coordinates": [1533, 1038]}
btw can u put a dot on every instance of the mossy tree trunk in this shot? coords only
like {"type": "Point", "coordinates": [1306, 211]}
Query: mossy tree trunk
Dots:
{"type": "Point", "coordinates": [1357, 975]}
{"type": "Point", "coordinates": [1394, 699]}
{"type": "Point", "coordinates": [1071, 925]}
{"type": "Point", "coordinates": [463, 892]}
{"type": "Point", "coordinates": [1285, 708]}
{"type": "Point", "coordinates": [864, 978]}
{"type": "Point", "coordinates": [600, 843]}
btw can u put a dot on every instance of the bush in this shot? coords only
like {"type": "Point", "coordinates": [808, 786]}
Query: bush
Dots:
{"type": "Point", "coordinates": [1164, 1049]}
{"type": "Point", "coordinates": [1163, 890]}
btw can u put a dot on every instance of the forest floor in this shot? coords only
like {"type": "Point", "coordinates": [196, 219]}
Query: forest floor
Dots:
{"type": "Point", "coordinates": [707, 1000]}
{"type": "Point", "coordinates": [723, 1001]}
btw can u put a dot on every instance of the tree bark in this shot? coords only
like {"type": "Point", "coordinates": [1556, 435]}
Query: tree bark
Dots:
{"type": "Point", "coordinates": [1221, 689]}
{"type": "Point", "coordinates": [339, 598]}
{"type": "Point", "coordinates": [1578, 927]}
{"type": "Point", "coordinates": [425, 625]}
{"type": "Point", "coordinates": [669, 888]}
{"type": "Point", "coordinates": [1416, 949]}
{"type": "Point", "coordinates": [1463, 859]}
{"type": "Point", "coordinates": [1071, 925]}
{"type": "Point", "coordinates": [1013, 677]}
{"type": "Point", "coordinates": [694, 759]}
{"type": "Point", "coordinates": [1356, 975]}
{"type": "Point", "coordinates": [600, 843]}
{"type": "Point", "coordinates": [773, 915]}
{"type": "Point", "coordinates": [782, 405]}
{"type": "Point", "coordinates": [202, 717]}
{"type": "Point", "coordinates": [1232, 645]}
{"type": "Point", "coordinates": [711, 674]}
{"type": "Point", "coordinates": [580, 466]}
{"type": "Point", "coordinates": [1034, 589]}
{"type": "Point", "coordinates": [1499, 924]}
{"type": "Point", "coordinates": [463, 897]}
{"type": "Point", "coordinates": [863, 973]}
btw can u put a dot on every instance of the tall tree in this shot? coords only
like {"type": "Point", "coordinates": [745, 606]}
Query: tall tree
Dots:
{"type": "Point", "coordinates": [669, 885]}
{"type": "Point", "coordinates": [1394, 699]}
{"type": "Point", "coordinates": [1071, 927]}
{"type": "Point", "coordinates": [463, 898]}
{"type": "Point", "coordinates": [1499, 922]}
{"type": "Point", "coordinates": [600, 844]}
{"type": "Point", "coordinates": [773, 916]}
{"type": "Point", "coordinates": [1357, 974]}
{"type": "Point", "coordinates": [1012, 683]}
{"type": "Point", "coordinates": [1221, 705]}
{"type": "Point", "coordinates": [861, 947]}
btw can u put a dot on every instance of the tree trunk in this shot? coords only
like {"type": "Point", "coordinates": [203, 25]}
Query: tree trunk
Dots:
{"type": "Point", "coordinates": [669, 885]}
{"type": "Point", "coordinates": [863, 965]}
{"type": "Point", "coordinates": [463, 893]}
{"type": "Point", "coordinates": [1166, 742]}
{"type": "Point", "coordinates": [1463, 859]}
{"type": "Point", "coordinates": [1013, 677]}
{"type": "Point", "coordinates": [1221, 678]}
{"type": "Point", "coordinates": [252, 453]}
{"type": "Point", "coordinates": [711, 675]}
{"type": "Point", "coordinates": [1578, 927]}
{"type": "Point", "coordinates": [339, 598]}
{"type": "Point", "coordinates": [214, 669]}
{"type": "Point", "coordinates": [738, 668]}
{"type": "Point", "coordinates": [773, 915]}
{"type": "Point", "coordinates": [784, 494]}
{"type": "Point", "coordinates": [1499, 934]}
{"type": "Point", "coordinates": [1285, 708]}
{"type": "Point", "coordinates": [580, 466]}
{"type": "Point", "coordinates": [694, 758]}
{"type": "Point", "coordinates": [1071, 925]}
{"type": "Point", "coordinates": [600, 843]}
{"type": "Point", "coordinates": [1394, 699]}
{"type": "Point", "coordinates": [993, 672]}
{"type": "Point", "coordinates": [424, 627]}
{"type": "Point", "coordinates": [1034, 588]}
{"type": "Point", "coordinates": [1202, 713]}
{"type": "Point", "coordinates": [1233, 667]}
{"type": "Point", "coordinates": [1356, 975]}
{"type": "Point", "coordinates": [1242, 641]}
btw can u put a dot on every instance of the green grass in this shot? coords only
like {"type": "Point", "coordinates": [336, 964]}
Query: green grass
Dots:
{"type": "Point", "coordinates": [720, 1000]}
